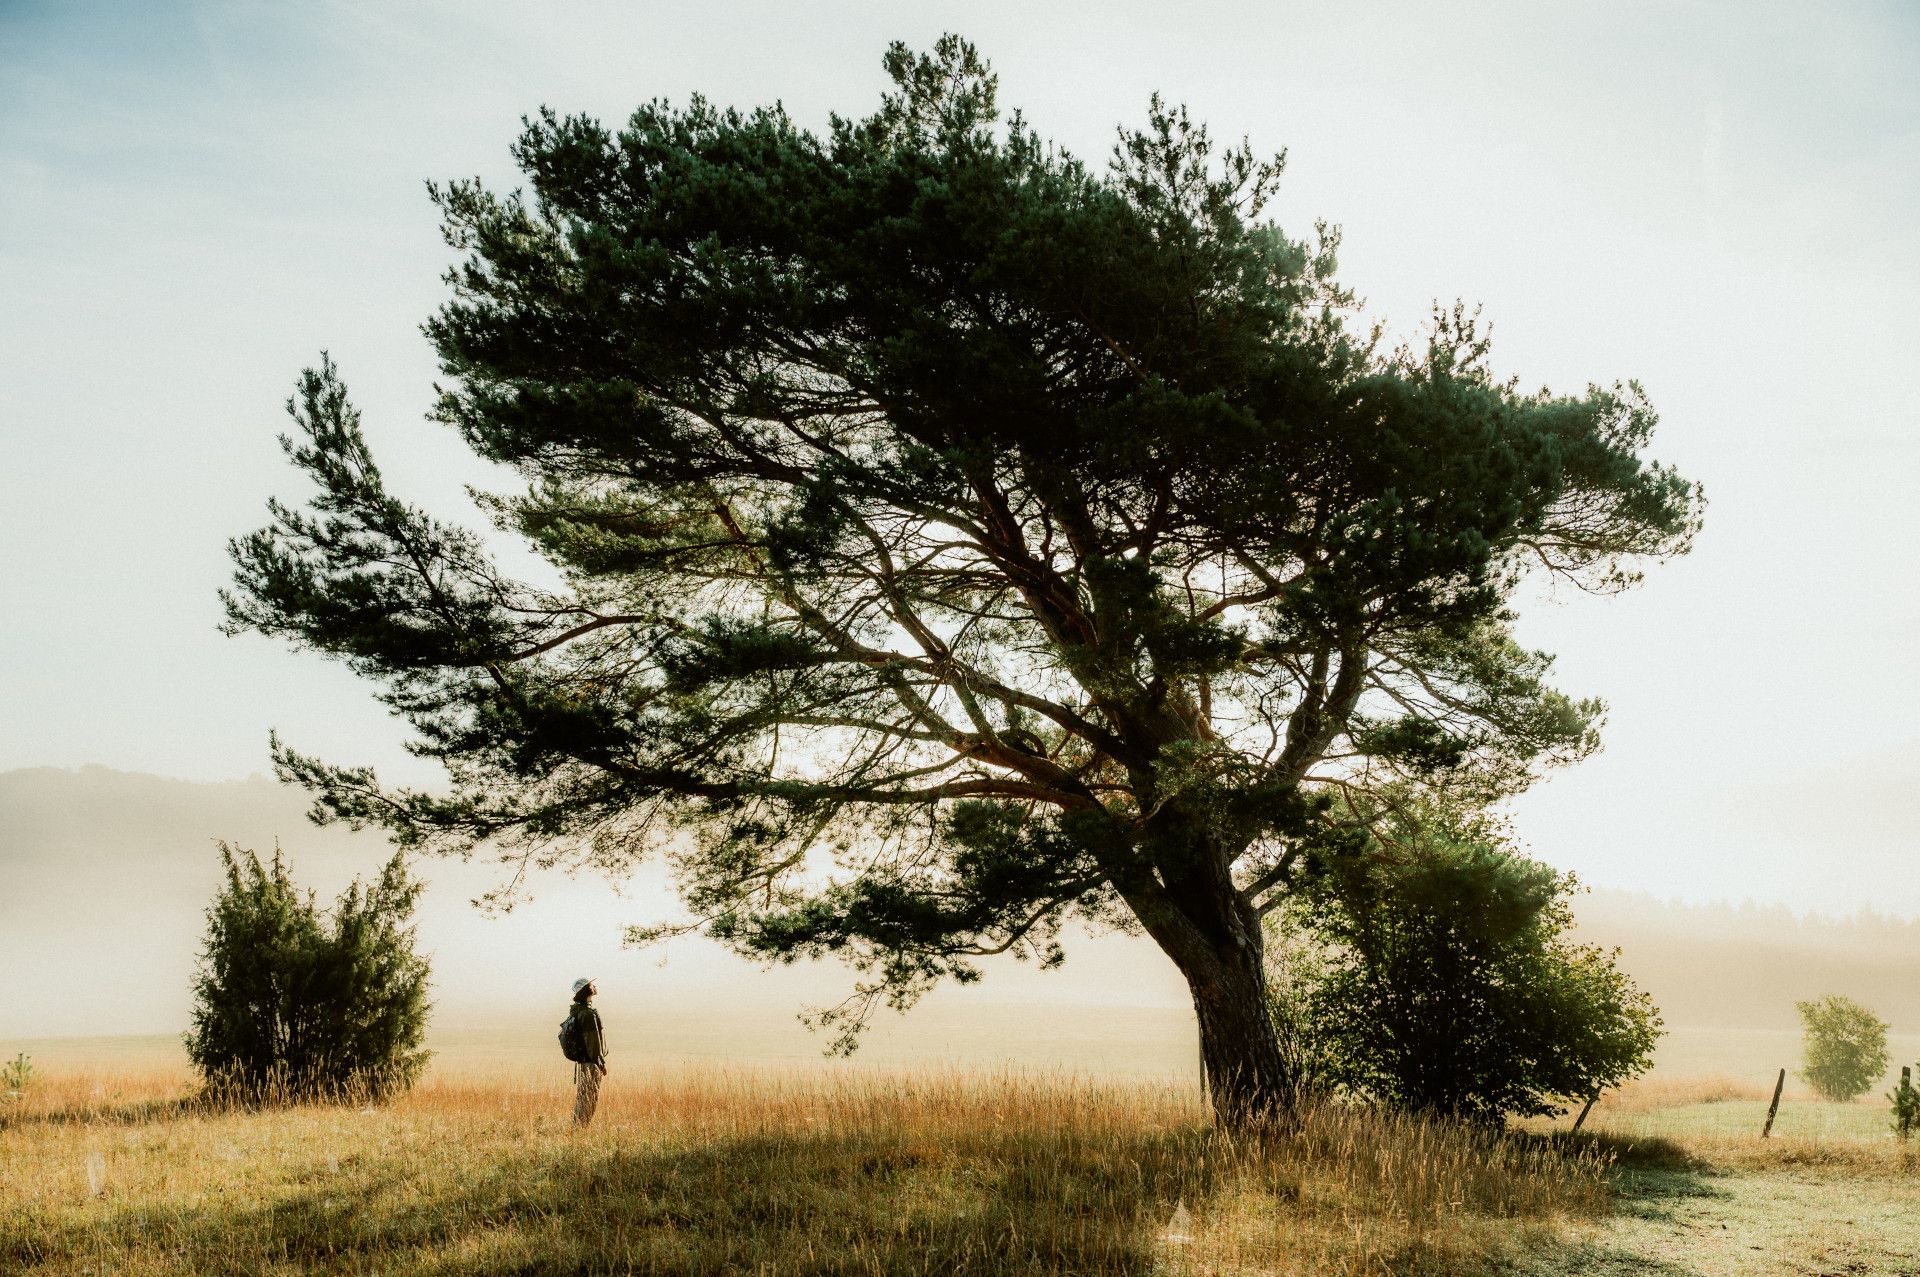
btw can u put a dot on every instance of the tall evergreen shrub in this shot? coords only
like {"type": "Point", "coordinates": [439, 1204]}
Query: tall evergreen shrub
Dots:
{"type": "Point", "coordinates": [1905, 1099]}
{"type": "Point", "coordinates": [296, 1002]}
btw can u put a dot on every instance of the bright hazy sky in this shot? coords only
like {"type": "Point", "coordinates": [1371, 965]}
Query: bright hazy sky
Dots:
{"type": "Point", "coordinates": [1722, 200]}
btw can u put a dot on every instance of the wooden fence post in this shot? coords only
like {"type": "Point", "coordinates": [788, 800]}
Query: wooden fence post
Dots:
{"type": "Point", "coordinates": [1775, 1106]}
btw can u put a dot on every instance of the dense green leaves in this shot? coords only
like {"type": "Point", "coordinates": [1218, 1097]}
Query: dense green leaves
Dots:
{"type": "Point", "coordinates": [1844, 1047]}
{"type": "Point", "coordinates": [1436, 971]}
{"type": "Point", "coordinates": [292, 1002]}
{"type": "Point", "coordinates": [915, 463]}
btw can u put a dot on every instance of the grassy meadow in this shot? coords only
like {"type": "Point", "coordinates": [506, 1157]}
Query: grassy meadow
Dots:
{"type": "Point", "coordinates": [115, 1169]}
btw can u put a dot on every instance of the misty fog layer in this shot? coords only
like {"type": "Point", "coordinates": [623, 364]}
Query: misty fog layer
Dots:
{"type": "Point", "coordinates": [104, 876]}
{"type": "Point", "coordinates": [107, 875]}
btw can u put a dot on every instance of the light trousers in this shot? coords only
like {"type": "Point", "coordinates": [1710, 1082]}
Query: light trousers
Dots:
{"type": "Point", "coordinates": [586, 1081]}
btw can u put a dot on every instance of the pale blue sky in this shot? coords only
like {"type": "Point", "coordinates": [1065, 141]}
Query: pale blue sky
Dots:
{"type": "Point", "coordinates": [1722, 200]}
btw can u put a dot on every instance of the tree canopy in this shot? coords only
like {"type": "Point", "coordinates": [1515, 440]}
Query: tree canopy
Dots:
{"type": "Point", "coordinates": [951, 537]}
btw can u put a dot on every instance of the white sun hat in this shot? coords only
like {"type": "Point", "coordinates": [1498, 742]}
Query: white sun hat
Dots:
{"type": "Point", "coordinates": [579, 985]}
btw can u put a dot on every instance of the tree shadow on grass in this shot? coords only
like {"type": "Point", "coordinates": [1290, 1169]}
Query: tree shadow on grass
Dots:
{"type": "Point", "coordinates": [117, 1113]}
{"type": "Point", "coordinates": [1586, 1259]}
{"type": "Point", "coordinates": [199, 1103]}
{"type": "Point", "coordinates": [1650, 1175]}
{"type": "Point", "coordinates": [866, 1201]}
{"type": "Point", "coordinates": [1649, 1178]}
{"type": "Point", "coordinates": [815, 1205]}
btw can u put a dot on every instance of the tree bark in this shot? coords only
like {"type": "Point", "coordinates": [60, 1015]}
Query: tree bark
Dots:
{"type": "Point", "coordinates": [1201, 920]}
{"type": "Point", "coordinates": [1249, 1078]}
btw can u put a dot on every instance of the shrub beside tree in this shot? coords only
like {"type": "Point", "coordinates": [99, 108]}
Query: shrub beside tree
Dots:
{"type": "Point", "coordinates": [1844, 1047]}
{"type": "Point", "coordinates": [1440, 975]}
{"type": "Point", "coordinates": [290, 1000]}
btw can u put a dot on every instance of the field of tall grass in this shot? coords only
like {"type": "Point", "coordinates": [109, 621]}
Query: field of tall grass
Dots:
{"type": "Point", "coordinates": [763, 1172]}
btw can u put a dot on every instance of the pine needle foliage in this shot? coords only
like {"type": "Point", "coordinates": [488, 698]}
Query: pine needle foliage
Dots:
{"type": "Point", "coordinates": [15, 1076]}
{"type": "Point", "coordinates": [1904, 1100]}
{"type": "Point", "coordinates": [293, 1002]}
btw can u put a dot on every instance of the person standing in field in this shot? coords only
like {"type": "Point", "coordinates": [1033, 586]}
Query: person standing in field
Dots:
{"type": "Point", "coordinates": [589, 1052]}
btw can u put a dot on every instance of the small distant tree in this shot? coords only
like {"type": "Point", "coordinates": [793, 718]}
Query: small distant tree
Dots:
{"type": "Point", "coordinates": [1442, 977]}
{"type": "Point", "coordinates": [1844, 1047]}
{"type": "Point", "coordinates": [292, 1000]}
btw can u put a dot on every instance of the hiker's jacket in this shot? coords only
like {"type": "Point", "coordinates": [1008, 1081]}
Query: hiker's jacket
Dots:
{"type": "Point", "coordinates": [593, 1039]}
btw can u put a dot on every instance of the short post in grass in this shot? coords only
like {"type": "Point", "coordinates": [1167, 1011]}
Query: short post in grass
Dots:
{"type": "Point", "coordinates": [1775, 1106]}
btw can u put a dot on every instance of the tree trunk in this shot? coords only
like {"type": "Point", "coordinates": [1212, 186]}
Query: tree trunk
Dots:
{"type": "Point", "coordinates": [1248, 1075]}
{"type": "Point", "coordinates": [1197, 914]}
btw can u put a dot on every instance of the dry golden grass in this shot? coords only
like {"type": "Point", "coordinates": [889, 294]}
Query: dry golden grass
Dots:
{"type": "Point", "coordinates": [1659, 1091]}
{"type": "Point", "coordinates": [761, 1172]}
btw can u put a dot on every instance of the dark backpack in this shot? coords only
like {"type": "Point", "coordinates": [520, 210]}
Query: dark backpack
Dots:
{"type": "Point", "coordinates": [572, 1040]}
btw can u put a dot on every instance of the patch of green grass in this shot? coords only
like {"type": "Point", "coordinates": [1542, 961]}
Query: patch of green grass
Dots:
{"type": "Point", "coordinates": [1751, 1224]}
{"type": "Point", "coordinates": [1743, 1119]}
{"type": "Point", "coordinates": [1697, 1191]}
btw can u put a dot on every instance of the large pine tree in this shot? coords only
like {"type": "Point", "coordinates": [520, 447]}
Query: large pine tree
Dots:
{"type": "Point", "coordinates": [955, 538]}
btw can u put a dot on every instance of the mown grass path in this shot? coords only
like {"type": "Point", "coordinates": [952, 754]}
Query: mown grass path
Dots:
{"type": "Point", "coordinates": [1697, 1192]}
{"type": "Point", "coordinates": [1752, 1224]}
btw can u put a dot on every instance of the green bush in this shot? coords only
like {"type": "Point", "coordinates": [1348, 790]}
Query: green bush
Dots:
{"type": "Point", "coordinates": [1905, 1099]}
{"type": "Point", "coordinates": [1435, 972]}
{"type": "Point", "coordinates": [292, 1002]}
{"type": "Point", "coordinates": [14, 1077]}
{"type": "Point", "coordinates": [1844, 1047]}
